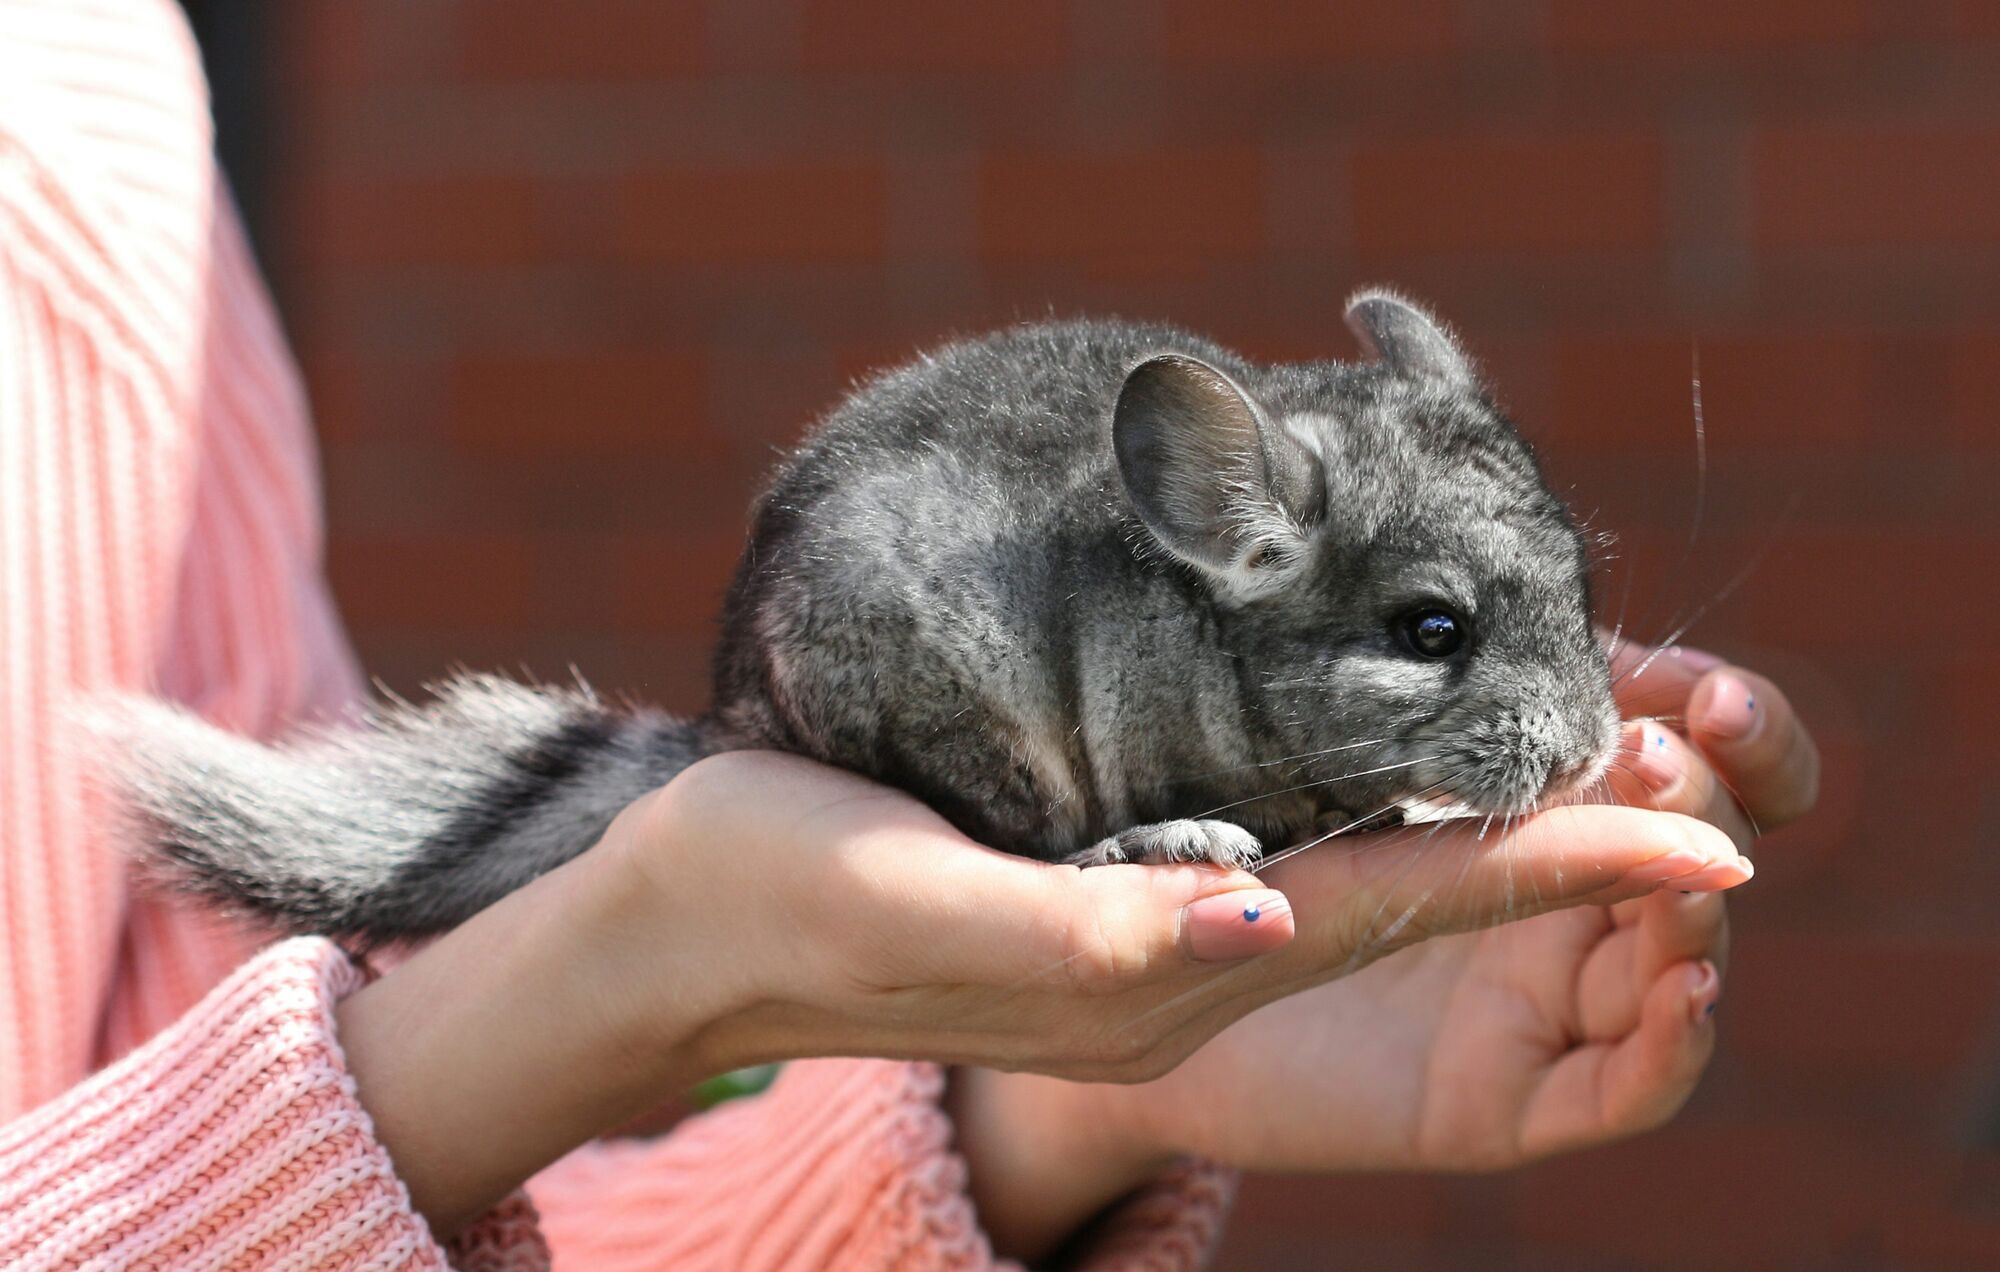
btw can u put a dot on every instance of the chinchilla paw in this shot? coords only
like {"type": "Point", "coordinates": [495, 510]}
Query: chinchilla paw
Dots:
{"type": "Point", "coordinates": [1217, 842]}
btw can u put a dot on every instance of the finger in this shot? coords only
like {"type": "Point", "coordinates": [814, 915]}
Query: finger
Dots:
{"type": "Point", "coordinates": [996, 919]}
{"type": "Point", "coordinates": [1379, 892]}
{"type": "Point", "coordinates": [1677, 927]}
{"type": "Point", "coordinates": [1657, 768]}
{"type": "Point", "coordinates": [1749, 731]}
{"type": "Point", "coordinates": [1608, 1090]}
{"type": "Point", "coordinates": [1669, 928]}
{"type": "Point", "coordinates": [1649, 682]}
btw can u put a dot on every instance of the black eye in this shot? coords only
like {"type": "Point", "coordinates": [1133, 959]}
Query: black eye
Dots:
{"type": "Point", "coordinates": [1433, 633]}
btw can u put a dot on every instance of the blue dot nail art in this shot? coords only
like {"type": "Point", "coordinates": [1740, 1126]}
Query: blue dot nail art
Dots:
{"type": "Point", "coordinates": [1750, 703]}
{"type": "Point", "coordinates": [1252, 913]}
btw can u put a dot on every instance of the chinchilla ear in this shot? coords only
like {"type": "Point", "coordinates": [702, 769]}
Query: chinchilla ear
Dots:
{"type": "Point", "coordinates": [1413, 344]}
{"type": "Point", "coordinates": [1216, 483]}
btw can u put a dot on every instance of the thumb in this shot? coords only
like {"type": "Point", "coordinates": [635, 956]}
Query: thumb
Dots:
{"type": "Point", "coordinates": [1379, 892]}
{"type": "Point", "coordinates": [1105, 929]}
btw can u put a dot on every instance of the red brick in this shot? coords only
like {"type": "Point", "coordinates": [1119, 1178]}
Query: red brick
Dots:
{"type": "Point", "coordinates": [1823, 186]}
{"type": "Point", "coordinates": [600, 402]}
{"type": "Point", "coordinates": [1975, 710]}
{"type": "Point", "coordinates": [602, 39]}
{"type": "Point", "coordinates": [1977, 18]}
{"type": "Point", "coordinates": [857, 363]}
{"type": "Point", "coordinates": [1735, 1196]}
{"type": "Point", "coordinates": [451, 581]}
{"type": "Point", "coordinates": [1843, 1003]}
{"type": "Point", "coordinates": [744, 215]}
{"type": "Point", "coordinates": [674, 585]}
{"type": "Point", "coordinates": [924, 37]}
{"type": "Point", "coordinates": [1512, 193]}
{"type": "Point", "coordinates": [1935, 1235]}
{"type": "Point", "coordinates": [1202, 32]}
{"type": "Point", "coordinates": [1705, 24]}
{"type": "Point", "coordinates": [1841, 586]}
{"type": "Point", "coordinates": [1156, 212]}
{"type": "Point", "coordinates": [1813, 592]}
{"type": "Point", "coordinates": [1776, 389]}
{"type": "Point", "coordinates": [334, 394]}
{"type": "Point", "coordinates": [459, 220]}
{"type": "Point", "coordinates": [1361, 1203]}
{"type": "Point", "coordinates": [326, 43]}
{"type": "Point", "coordinates": [1973, 389]}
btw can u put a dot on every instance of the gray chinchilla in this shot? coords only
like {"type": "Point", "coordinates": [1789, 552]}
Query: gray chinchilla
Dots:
{"type": "Point", "coordinates": [1096, 591]}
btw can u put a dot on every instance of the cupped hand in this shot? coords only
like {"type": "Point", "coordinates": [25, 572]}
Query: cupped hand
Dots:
{"type": "Point", "coordinates": [1486, 1048]}
{"type": "Point", "coordinates": [856, 921]}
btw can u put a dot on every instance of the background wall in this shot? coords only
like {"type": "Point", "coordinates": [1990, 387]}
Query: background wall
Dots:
{"type": "Point", "coordinates": [563, 275]}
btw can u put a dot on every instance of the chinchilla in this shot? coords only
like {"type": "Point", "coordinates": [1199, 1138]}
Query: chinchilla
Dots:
{"type": "Point", "coordinates": [1096, 591]}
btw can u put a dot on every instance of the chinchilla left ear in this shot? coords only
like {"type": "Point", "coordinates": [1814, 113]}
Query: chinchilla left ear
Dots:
{"type": "Point", "coordinates": [1408, 340]}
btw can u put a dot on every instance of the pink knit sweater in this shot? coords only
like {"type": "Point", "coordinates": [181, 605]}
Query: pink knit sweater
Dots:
{"type": "Point", "coordinates": [169, 1095]}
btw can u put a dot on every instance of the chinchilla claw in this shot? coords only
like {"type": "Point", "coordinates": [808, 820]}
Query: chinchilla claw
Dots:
{"type": "Point", "coordinates": [1216, 842]}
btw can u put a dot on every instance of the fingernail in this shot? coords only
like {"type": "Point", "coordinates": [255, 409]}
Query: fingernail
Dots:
{"type": "Point", "coordinates": [1698, 661]}
{"type": "Point", "coordinates": [1720, 877]}
{"type": "Point", "coordinates": [1651, 759]}
{"type": "Point", "coordinates": [1728, 709]}
{"type": "Point", "coordinates": [1232, 925]}
{"type": "Point", "coordinates": [1671, 865]}
{"type": "Point", "coordinates": [1707, 992]}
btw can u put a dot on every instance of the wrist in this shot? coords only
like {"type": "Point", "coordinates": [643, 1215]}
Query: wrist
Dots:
{"type": "Point", "coordinates": [1045, 1156]}
{"type": "Point", "coordinates": [526, 1032]}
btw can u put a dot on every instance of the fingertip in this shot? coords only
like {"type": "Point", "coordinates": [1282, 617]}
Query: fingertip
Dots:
{"type": "Point", "coordinates": [1703, 991]}
{"type": "Point", "coordinates": [1678, 1009]}
{"type": "Point", "coordinates": [1725, 707]}
{"type": "Point", "coordinates": [1649, 754]}
{"type": "Point", "coordinates": [1698, 661]}
{"type": "Point", "coordinates": [1228, 927]}
{"type": "Point", "coordinates": [1677, 851]}
{"type": "Point", "coordinates": [1720, 877]}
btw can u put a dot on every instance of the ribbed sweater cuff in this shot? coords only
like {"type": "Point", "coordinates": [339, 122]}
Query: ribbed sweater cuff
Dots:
{"type": "Point", "coordinates": [232, 1138]}
{"type": "Point", "coordinates": [1173, 1223]}
{"type": "Point", "coordinates": [841, 1164]}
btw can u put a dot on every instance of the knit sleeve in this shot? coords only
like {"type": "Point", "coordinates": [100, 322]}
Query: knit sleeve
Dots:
{"type": "Point", "coordinates": [232, 1139]}
{"type": "Point", "coordinates": [841, 1164]}
{"type": "Point", "coordinates": [157, 531]}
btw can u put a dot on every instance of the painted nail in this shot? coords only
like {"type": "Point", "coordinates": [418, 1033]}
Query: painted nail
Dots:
{"type": "Point", "coordinates": [1232, 925]}
{"type": "Point", "coordinates": [1720, 877]}
{"type": "Point", "coordinates": [1651, 759]}
{"type": "Point", "coordinates": [1671, 865]}
{"type": "Point", "coordinates": [1729, 709]}
{"type": "Point", "coordinates": [1698, 661]}
{"type": "Point", "coordinates": [1707, 992]}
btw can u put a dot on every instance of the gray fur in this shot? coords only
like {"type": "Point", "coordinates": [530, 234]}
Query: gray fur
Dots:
{"type": "Point", "coordinates": [1078, 585]}
{"type": "Point", "coordinates": [396, 827]}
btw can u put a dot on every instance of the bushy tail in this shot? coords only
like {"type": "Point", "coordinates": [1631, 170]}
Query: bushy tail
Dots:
{"type": "Point", "coordinates": [405, 826]}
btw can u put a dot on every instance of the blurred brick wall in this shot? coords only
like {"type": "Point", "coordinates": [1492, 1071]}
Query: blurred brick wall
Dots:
{"type": "Point", "coordinates": [563, 275]}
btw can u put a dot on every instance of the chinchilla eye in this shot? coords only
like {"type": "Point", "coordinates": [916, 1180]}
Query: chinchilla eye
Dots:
{"type": "Point", "coordinates": [1433, 633]}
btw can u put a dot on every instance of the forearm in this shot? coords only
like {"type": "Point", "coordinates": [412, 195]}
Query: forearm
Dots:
{"type": "Point", "coordinates": [519, 1036]}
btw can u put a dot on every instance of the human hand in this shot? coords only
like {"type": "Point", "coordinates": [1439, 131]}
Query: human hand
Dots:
{"type": "Point", "coordinates": [761, 907]}
{"type": "Point", "coordinates": [1468, 1051]}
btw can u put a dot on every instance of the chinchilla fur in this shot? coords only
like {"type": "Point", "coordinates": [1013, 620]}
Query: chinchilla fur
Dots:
{"type": "Point", "coordinates": [1095, 590]}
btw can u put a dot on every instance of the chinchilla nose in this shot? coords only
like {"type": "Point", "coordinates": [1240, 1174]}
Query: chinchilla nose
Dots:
{"type": "Point", "coordinates": [1566, 736]}
{"type": "Point", "coordinates": [1586, 738]}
